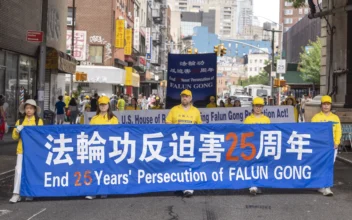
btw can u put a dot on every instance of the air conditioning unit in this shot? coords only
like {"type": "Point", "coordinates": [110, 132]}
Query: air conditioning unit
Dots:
{"type": "Point", "coordinates": [69, 22]}
{"type": "Point", "coordinates": [129, 14]}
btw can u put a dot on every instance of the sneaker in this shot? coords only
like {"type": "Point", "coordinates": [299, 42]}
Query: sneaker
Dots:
{"type": "Point", "coordinates": [90, 197]}
{"type": "Point", "coordinates": [326, 191]}
{"type": "Point", "coordinates": [29, 198]}
{"type": "Point", "coordinates": [253, 190]}
{"type": "Point", "coordinates": [187, 193]}
{"type": "Point", "coordinates": [15, 198]}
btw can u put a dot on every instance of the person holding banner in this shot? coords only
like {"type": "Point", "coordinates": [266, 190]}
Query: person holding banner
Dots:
{"type": "Point", "coordinates": [30, 110]}
{"type": "Point", "coordinates": [257, 117]}
{"type": "Point", "coordinates": [185, 113]}
{"type": "Point", "coordinates": [133, 106]}
{"type": "Point", "coordinates": [237, 103]}
{"type": "Point", "coordinates": [104, 116]}
{"type": "Point", "coordinates": [212, 103]}
{"type": "Point", "coordinates": [228, 103]}
{"type": "Point", "coordinates": [327, 116]}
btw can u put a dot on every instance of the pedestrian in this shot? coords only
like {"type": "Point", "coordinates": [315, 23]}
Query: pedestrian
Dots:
{"type": "Point", "coordinates": [156, 104]}
{"type": "Point", "coordinates": [222, 103]}
{"type": "Point", "coordinates": [85, 102]}
{"type": "Point", "coordinates": [212, 103]}
{"type": "Point", "coordinates": [133, 106]}
{"type": "Point", "coordinates": [67, 99]}
{"type": "Point", "coordinates": [237, 103]}
{"type": "Point", "coordinates": [257, 117]}
{"type": "Point", "coordinates": [145, 103]}
{"type": "Point", "coordinates": [290, 100]}
{"type": "Point", "coordinates": [113, 103]}
{"type": "Point", "coordinates": [104, 116]}
{"type": "Point", "coordinates": [327, 116]}
{"type": "Point", "coordinates": [139, 101]}
{"type": "Point", "coordinates": [31, 118]}
{"type": "Point", "coordinates": [60, 107]}
{"type": "Point", "coordinates": [93, 103]}
{"type": "Point", "coordinates": [121, 103]}
{"type": "Point", "coordinates": [3, 123]}
{"type": "Point", "coordinates": [303, 106]}
{"type": "Point", "coordinates": [228, 102]}
{"type": "Point", "coordinates": [185, 113]}
{"type": "Point", "coordinates": [298, 109]}
{"type": "Point", "coordinates": [73, 108]}
{"type": "Point", "coordinates": [87, 109]}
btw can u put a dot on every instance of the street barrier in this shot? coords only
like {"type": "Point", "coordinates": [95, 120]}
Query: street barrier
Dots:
{"type": "Point", "coordinates": [277, 114]}
{"type": "Point", "coordinates": [80, 160]}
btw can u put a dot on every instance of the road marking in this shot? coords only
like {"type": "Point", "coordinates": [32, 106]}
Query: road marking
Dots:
{"type": "Point", "coordinates": [9, 171]}
{"type": "Point", "coordinates": [4, 212]}
{"type": "Point", "coordinates": [36, 214]}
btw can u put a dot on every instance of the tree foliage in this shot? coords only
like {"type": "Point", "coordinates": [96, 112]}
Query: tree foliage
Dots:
{"type": "Point", "coordinates": [310, 62]}
{"type": "Point", "coordinates": [298, 3]}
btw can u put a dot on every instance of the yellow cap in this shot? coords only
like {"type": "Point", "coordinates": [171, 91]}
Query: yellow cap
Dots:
{"type": "Point", "coordinates": [88, 106]}
{"type": "Point", "coordinates": [157, 98]}
{"type": "Point", "coordinates": [258, 101]}
{"type": "Point", "coordinates": [186, 92]}
{"type": "Point", "coordinates": [212, 98]}
{"type": "Point", "coordinates": [326, 99]}
{"type": "Point", "coordinates": [87, 96]}
{"type": "Point", "coordinates": [103, 100]}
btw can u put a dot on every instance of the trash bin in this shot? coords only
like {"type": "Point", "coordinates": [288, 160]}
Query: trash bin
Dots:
{"type": "Point", "coordinates": [49, 117]}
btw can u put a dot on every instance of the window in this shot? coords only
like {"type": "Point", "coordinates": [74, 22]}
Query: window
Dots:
{"type": "Point", "coordinates": [96, 54]}
{"type": "Point", "coordinates": [255, 69]}
{"type": "Point", "coordinates": [288, 21]}
{"type": "Point", "coordinates": [288, 4]}
{"type": "Point", "coordinates": [288, 12]}
{"type": "Point", "coordinates": [260, 61]}
{"type": "Point", "coordinates": [255, 61]}
{"type": "Point", "coordinates": [250, 69]}
{"type": "Point", "coordinates": [306, 10]}
{"type": "Point", "coordinates": [300, 11]}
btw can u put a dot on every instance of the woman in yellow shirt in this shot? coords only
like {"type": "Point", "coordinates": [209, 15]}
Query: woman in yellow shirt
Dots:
{"type": "Point", "coordinates": [30, 109]}
{"type": "Point", "coordinates": [257, 117]}
{"type": "Point", "coordinates": [104, 116]}
{"type": "Point", "coordinates": [212, 103]}
{"type": "Point", "coordinates": [133, 106]}
{"type": "Point", "coordinates": [327, 116]}
{"type": "Point", "coordinates": [290, 100]}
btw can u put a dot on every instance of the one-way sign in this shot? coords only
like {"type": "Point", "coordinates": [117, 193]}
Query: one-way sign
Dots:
{"type": "Point", "coordinates": [281, 66]}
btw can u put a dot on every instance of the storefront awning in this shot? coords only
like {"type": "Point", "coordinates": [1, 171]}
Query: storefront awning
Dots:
{"type": "Point", "coordinates": [103, 74]}
{"type": "Point", "coordinates": [58, 60]}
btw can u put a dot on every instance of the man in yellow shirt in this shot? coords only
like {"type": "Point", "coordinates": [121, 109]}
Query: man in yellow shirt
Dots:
{"type": "Point", "coordinates": [212, 103]}
{"type": "Point", "coordinates": [184, 114]}
{"type": "Point", "coordinates": [327, 116]}
{"type": "Point", "coordinates": [257, 117]}
{"type": "Point", "coordinates": [121, 103]}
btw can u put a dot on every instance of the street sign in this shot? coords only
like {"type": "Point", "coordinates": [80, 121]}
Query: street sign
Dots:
{"type": "Point", "coordinates": [34, 36]}
{"type": "Point", "coordinates": [281, 66]}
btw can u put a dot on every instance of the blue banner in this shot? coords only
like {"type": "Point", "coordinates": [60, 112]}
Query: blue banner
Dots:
{"type": "Point", "coordinates": [80, 160]}
{"type": "Point", "coordinates": [196, 72]}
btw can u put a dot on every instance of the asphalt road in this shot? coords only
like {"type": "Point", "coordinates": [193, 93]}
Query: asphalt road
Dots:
{"type": "Point", "coordinates": [209, 205]}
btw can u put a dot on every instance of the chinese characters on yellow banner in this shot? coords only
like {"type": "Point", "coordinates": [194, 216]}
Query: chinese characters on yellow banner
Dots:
{"type": "Point", "coordinates": [120, 34]}
{"type": "Point", "coordinates": [128, 37]}
{"type": "Point", "coordinates": [128, 81]}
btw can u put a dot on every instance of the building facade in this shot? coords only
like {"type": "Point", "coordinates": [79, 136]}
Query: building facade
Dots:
{"type": "Point", "coordinates": [256, 63]}
{"type": "Point", "coordinates": [19, 58]}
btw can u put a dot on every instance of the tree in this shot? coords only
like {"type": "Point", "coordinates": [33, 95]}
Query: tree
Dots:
{"type": "Point", "coordinates": [310, 62]}
{"type": "Point", "coordinates": [297, 3]}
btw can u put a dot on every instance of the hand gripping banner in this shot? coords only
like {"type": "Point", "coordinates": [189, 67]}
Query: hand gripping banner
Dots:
{"type": "Point", "coordinates": [80, 160]}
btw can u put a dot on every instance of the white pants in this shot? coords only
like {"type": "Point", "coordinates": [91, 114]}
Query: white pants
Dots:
{"type": "Point", "coordinates": [335, 154]}
{"type": "Point", "coordinates": [18, 174]}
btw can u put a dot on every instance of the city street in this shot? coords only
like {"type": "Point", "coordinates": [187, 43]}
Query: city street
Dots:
{"type": "Point", "coordinates": [210, 205]}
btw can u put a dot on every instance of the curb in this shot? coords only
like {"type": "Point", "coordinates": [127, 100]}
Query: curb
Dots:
{"type": "Point", "coordinates": [342, 159]}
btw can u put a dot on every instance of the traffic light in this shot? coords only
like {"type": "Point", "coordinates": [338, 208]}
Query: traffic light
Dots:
{"type": "Point", "coordinates": [189, 51]}
{"type": "Point", "coordinates": [222, 50]}
{"type": "Point", "coordinates": [195, 51]}
{"type": "Point", "coordinates": [276, 82]}
{"type": "Point", "coordinates": [282, 83]}
{"type": "Point", "coordinates": [81, 76]}
{"type": "Point", "coordinates": [216, 50]}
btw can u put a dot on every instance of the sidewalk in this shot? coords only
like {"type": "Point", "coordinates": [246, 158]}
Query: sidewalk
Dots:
{"type": "Point", "coordinates": [345, 157]}
{"type": "Point", "coordinates": [7, 139]}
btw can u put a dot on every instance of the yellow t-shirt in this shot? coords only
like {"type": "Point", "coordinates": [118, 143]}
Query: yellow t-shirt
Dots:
{"type": "Point", "coordinates": [103, 120]}
{"type": "Point", "coordinates": [156, 107]}
{"type": "Point", "coordinates": [67, 100]}
{"type": "Point", "coordinates": [132, 108]}
{"type": "Point", "coordinates": [178, 115]}
{"type": "Point", "coordinates": [121, 104]}
{"type": "Point", "coordinates": [337, 130]}
{"type": "Point", "coordinates": [228, 105]}
{"type": "Point", "coordinates": [211, 105]}
{"type": "Point", "coordinates": [16, 135]}
{"type": "Point", "coordinates": [252, 119]}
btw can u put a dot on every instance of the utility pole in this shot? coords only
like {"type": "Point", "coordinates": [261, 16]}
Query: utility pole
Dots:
{"type": "Point", "coordinates": [273, 31]}
{"type": "Point", "coordinates": [73, 38]}
{"type": "Point", "coordinates": [42, 58]}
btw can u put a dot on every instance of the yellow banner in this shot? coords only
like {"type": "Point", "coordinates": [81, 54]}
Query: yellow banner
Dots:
{"type": "Point", "coordinates": [120, 34]}
{"type": "Point", "coordinates": [128, 81]}
{"type": "Point", "coordinates": [128, 38]}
